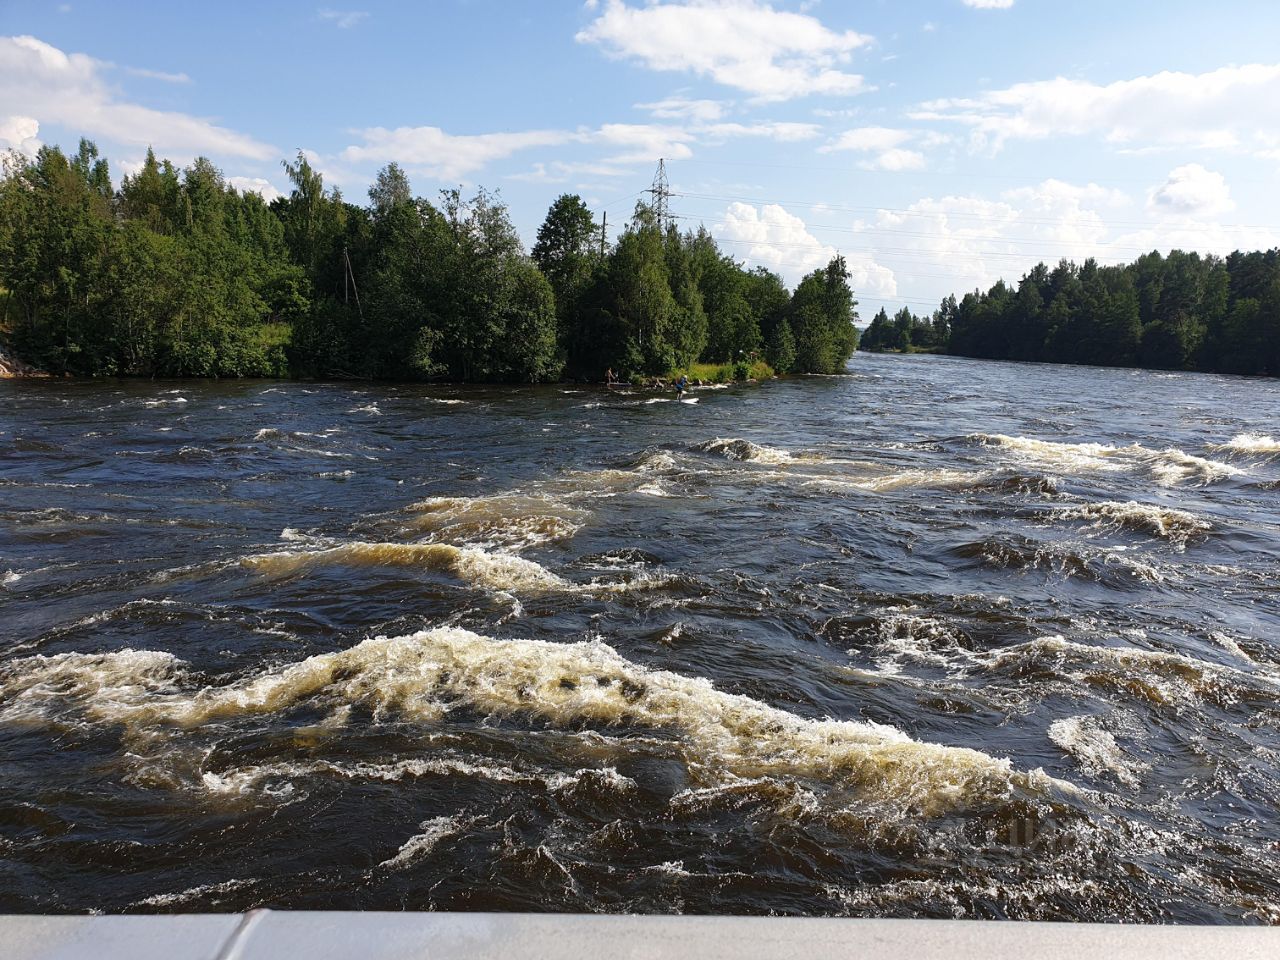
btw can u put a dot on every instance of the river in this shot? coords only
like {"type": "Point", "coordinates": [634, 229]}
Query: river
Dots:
{"type": "Point", "coordinates": [939, 638]}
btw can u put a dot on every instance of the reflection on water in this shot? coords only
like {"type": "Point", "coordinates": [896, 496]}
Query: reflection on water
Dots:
{"type": "Point", "coordinates": [940, 638]}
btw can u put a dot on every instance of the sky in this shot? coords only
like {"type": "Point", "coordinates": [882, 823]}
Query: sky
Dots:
{"type": "Point", "coordinates": [938, 145]}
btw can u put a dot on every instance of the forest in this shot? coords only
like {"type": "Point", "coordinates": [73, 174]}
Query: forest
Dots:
{"type": "Point", "coordinates": [1176, 312]}
{"type": "Point", "coordinates": [177, 274]}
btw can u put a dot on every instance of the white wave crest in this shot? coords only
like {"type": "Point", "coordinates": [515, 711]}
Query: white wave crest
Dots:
{"type": "Point", "coordinates": [512, 521]}
{"type": "Point", "coordinates": [203, 890]}
{"type": "Point", "coordinates": [927, 640]}
{"type": "Point", "coordinates": [494, 570]}
{"type": "Point", "coordinates": [1177, 526]}
{"type": "Point", "coordinates": [423, 676]}
{"type": "Point", "coordinates": [901, 480]}
{"type": "Point", "coordinates": [421, 844]}
{"type": "Point", "coordinates": [1168, 467]}
{"type": "Point", "coordinates": [1250, 444]}
{"type": "Point", "coordinates": [1095, 749]}
{"type": "Point", "coordinates": [1160, 678]}
{"type": "Point", "coordinates": [735, 448]}
{"type": "Point", "coordinates": [107, 685]}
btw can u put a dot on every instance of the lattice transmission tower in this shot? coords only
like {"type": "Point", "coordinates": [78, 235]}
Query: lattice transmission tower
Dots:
{"type": "Point", "coordinates": [661, 192]}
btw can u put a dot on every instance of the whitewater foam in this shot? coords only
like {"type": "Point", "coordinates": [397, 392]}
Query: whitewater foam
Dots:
{"type": "Point", "coordinates": [901, 480]}
{"type": "Point", "coordinates": [1065, 559]}
{"type": "Point", "coordinates": [735, 448]}
{"type": "Point", "coordinates": [1176, 526]}
{"type": "Point", "coordinates": [1160, 678]}
{"type": "Point", "coordinates": [512, 521]}
{"type": "Point", "coordinates": [421, 844]}
{"type": "Point", "coordinates": [203, 890]}
{"type": "Point", "coordinates": [1095, 749]}
{"type": "Point", "coordinates": [1249, 444]}
{"type": "Point", "coordinates": [1168, 467]}
{"type": "Point", "coordinates": [494, 570]}
{"type": "Point", "coordinates": [927, 640]}
{"type": "Point", "coordinates": [424, 676]}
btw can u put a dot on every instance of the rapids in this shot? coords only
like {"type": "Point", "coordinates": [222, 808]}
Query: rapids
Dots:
{"type": "Point", "coordinates": [938, 638]}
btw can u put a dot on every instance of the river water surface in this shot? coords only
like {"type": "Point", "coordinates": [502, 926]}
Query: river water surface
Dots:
{"type": "Point", "coordinates": [937, 638]}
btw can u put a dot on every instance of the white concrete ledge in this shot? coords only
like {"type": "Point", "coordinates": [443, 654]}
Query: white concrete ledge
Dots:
{"type": "Point", "coordinates": [268, 935]}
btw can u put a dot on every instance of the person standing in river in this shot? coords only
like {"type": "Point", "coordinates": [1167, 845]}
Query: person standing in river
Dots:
{"type": "Point", "coordinates": [681, 386]}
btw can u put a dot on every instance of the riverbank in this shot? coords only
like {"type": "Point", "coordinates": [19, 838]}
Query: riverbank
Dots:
{"type": "Point", "coordinates": [11, 368]}
{"type": "Point", "coordinates": [699, 374]}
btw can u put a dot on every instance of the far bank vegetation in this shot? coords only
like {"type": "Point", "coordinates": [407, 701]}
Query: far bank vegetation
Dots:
{"type": "Point", "coordinates": [1176, 312]}
{"type": "Point", "coordinates": [177, 274]}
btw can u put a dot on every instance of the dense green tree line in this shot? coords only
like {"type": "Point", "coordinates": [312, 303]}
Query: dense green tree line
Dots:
{"type": "Point", "coordinates": [1175, 312]}
{"type": "Point", "coordinates": [176, 273]}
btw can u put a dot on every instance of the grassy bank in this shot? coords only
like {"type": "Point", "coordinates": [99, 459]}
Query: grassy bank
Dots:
{"type": "Point", "coordinates": [726, 372]}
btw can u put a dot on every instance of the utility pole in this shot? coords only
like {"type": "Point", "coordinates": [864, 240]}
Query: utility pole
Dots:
{"type": "Point", "coordinates": [352, 275]}
{"type": "Point", "coordinates": [661, 193]}
{"type": "Point", "coordinates": [604, 230]}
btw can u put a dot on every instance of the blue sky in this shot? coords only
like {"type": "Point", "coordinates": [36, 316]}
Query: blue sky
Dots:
{"type": "Point", "coordinates": [939, 144]}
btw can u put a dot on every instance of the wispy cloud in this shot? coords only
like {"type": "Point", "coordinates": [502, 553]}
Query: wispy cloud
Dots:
{"type": "Point", "coordinates": [157, 75]}
{"type": "Point", "coordinates": [682, 108]}
{"type": "Point", "coordinates": [444, 155]}
{"type": "Point", "coordinates": [343, 19]}
{"type": "Point", "coordinates": [619, 146]}
{"type": "Point", "coordinates": [884, 147]}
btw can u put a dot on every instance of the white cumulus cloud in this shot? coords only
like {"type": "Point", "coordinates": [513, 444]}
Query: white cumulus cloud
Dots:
{"type": "Point", "coordinates": [770, 54]}
{"type": "Point", "coordinates": [772, 237]}
{"type": "Point", "coordinates": [1192, 191]}
{"type": "Point", "coordinates": [19, 133]}
{"type": "Point", "coordinates": [956, 243]}
{"type": "Point", "coordinates": [41, 83]}
{"type": "Point", "coordinates": [267, 190]}
{"type": "Point", "coordinates": [1229, 108]}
